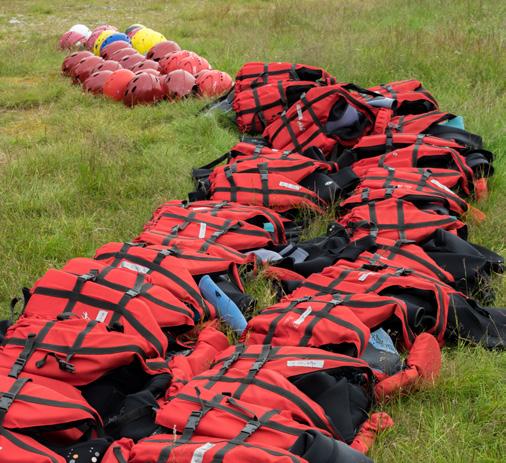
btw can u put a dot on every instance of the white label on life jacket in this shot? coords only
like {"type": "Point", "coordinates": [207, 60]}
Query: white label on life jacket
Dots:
{"type": "Point", "coordinates": [440, 185]}
{"type": "Point", "coordinates": [363, 276]}
{"type": "Point", "coordinates": [202, 230]}
{"type": "Point", "coordinates": [303, 316]}
{"type": "Point", "coordinates": [305, 363]}
{"type": "Point", "coordinates": [198, 455]}
{"type": "Point", "coordinates": [290, 185]}
{"type": "Point", "coordinates": [101, 316]}
{"type": "Point", "coordinates": [135, 267]}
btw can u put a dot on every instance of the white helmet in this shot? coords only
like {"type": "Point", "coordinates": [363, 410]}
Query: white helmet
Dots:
{"type": "Point", "coordinates": [81, 29]}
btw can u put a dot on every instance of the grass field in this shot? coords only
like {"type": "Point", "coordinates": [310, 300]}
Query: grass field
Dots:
{"type": "Point", "coordinates": [78, 171]}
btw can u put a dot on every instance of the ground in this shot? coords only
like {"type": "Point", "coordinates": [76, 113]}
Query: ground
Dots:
{"type": "Point", "coordinates": [78, 171]}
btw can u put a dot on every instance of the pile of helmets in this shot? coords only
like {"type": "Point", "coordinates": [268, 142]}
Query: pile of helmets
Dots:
{"type": "Point", "coordinates": [138, 66]}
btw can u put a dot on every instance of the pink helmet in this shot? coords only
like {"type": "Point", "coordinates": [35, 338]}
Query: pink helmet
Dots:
{"type": "Point", "coordinates": [72, 39]}
{"type": "Point", "coordinates": [72, 60]}
{"type": "Point", "coordinates": [108, 50]}
{"type": "Point", "coordinates": [95, 83]}
{"type": "Point", "coordinates": [82, 71]}
{"type": "Point", "coordinates": [161, 49]}
{"type": "Point", "coordinates": [120, 54]}
{"type": "Point", "coordinates": [128, 62]}
{"type": "Point", "coordinates": [144, 88]}
{"type": "Point", "coordinates": [153, 72]}
{"type": "Point", "coordinates": [213, 83]}
{"type": "Point", "coordinates": [96, 32]}
{"type": "Point", "coordinates": [107, 65]}
{"type": "Point", "coordinates": [179, 83]}
{"type": "Point", "coordinates": [146, 64]}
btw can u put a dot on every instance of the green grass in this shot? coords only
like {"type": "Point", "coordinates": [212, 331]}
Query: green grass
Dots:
{"type": "Point", "coordinates": [78, 171]}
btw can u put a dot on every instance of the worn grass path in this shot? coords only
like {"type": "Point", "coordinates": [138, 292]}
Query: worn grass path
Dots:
{"type": "Point", "coordinates": [78, 171]}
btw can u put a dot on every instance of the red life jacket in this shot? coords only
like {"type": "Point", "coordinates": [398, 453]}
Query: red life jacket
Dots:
{"type": "Point", "coordinates": [397, 219]}
{"type": "Point", "coordinates": [410, 96]}
{"type": "Point", "coordinates": [162, 448]}
{"type": "Point", "coordinates": [430, 315]}
{"type": "Point", "coordinates": [477, 162]}
{"type": "Point", "coordinates": [198, 358]}
{"type": "Point", "coordinates": [433, 196]}
{"type": "Point", "coordinates": [306, 123]}
{"type": "Point", "coordinates": [380, 252]}
{"type": "Point", "coordinates": [59, 295]}
{"type": "Point", "coordinates": [295, 167]}
{"type": "Point", "coordinates": [164, 270]}
{"type": "Point", "coordinates": [235, 233]}
{"type": "Point", "coordinates": [216, 415]}
{"type": "Point", "coordinates": [168, 310]}
{"type": "Point", "coordinates": [292, 361]}
{"type": "Point", "coordinates": [256, 107]}
{"type": "Point", "coordinates": [75, 351]}
{"type": "Point", "coordinates": [18, 448]}
{"type": "Point", "coordinates": [328, 322]}
{"type": "Point", "coordinates": [262, 188]}
{"type": "Point", "coordinates": [253, 215]}
{"type": "Point", "coordinates": [264, 386]}
{"type": "Point", "coordinates": [421, 155]}
{"type": "Point", "coordinates": [34, 409]}
{"type": "Point", "coordinates": [414, 177]}
{"type": "Point", "coordinates": [417, 123]}
{"type": "Point", "coordinates": [256, 74]}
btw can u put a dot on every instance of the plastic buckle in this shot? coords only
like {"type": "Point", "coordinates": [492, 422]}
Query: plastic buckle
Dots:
{"type": "Point", "coordinates": [193, 420]}
{"type": "Point", "coordinates": [132, 293]}
{"type": "Point", "coordinates": [17, 367]}
{"type": "Point", "coordinates": [6, 401]}
{"type": "Point", "coordinates": [250, 427]}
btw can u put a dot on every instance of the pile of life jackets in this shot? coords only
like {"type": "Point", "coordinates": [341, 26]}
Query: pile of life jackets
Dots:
{"type": "Point", "coordinates": [152, 351]}
{"type": "Point", "coordinates": [139, 66]}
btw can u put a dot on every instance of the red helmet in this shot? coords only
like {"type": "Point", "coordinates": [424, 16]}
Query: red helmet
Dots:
{"type": "Point", "coordinates": [108, 65]}
{"type": "Point", "coordinates": [194, 64]}
{"type": "Point", "coordinates": [171, 62]}
{"type": "Point", "coordinates": [96, 32]}
{"type": "Point", "coordinates": [108, 50]}
{"type": "Point", "coordinates": [157, 52]}
{"type": "Point", "coordinates": [116, 84]}
{"type": "Point", "coordinates": [179, 83]}
{"type": "Point", "coordinates": [213, 83]}
{"type": "Point", "coordinates": [128, 62]}
{"type": "Point", "coordinates": [72, 60]}
{"type": "Point", "coordinates": [95, 83]}
{"type": "Point", "coordinates": [146, 64]}
{"type": "Point", "coordinates": [82, 71]}
{"type": "Point", "coordinates": [71, 39]}
{"type": "Point", "coordinates": [144, 88]}
{"type": "Point", "coordinates": [153, 72]}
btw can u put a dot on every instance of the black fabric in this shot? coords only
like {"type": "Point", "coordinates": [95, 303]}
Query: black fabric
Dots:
{"type": "Point", "coordinates": [315, 447]}
{"type": "Point", "coordinates": [471, 265]}
{"type": "Point", "coordinates": [421, 306]}
{"type": "Point", "coordinates": [4, 325]}
{"type": "Point", "coordinates": [91, 451]}
{"type": "Point", "coordinates": [344, 403]}
{"type": "Point", "coordinates": [469, 321]}
{"type": "Point", "coordinates": [322, 185]}
{"type": "Point", "coordinates": [240, 299]}
{"type": "Point", "coordinates": [136, 418]}
{"type": "Point", "coordinates": [462, 137]}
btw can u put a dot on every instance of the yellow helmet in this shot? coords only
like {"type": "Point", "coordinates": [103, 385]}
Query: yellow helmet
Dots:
{"type": "Point", "coordinates": [144, 39]}
{"type": "Point", "coordinates": [98, 43]}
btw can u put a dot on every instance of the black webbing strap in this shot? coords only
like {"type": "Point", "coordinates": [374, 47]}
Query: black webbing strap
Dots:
{"type": "Point", "coordinates": [7, 398]}
{"type": "Point", "coordinates": [233, 186]}
{"type": "Point", "coordinates": [262, 358]}
{"type": "Point", "coordinates": [258, 112]}
{"type": "Point", "coordinates": [263, 171]}
{"type": "Point", "coordinates": [80, 282]}
{"type": "Point", "coordinates": [31, 342]}
{"type": "Point", "coordinates": [228, 226]}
